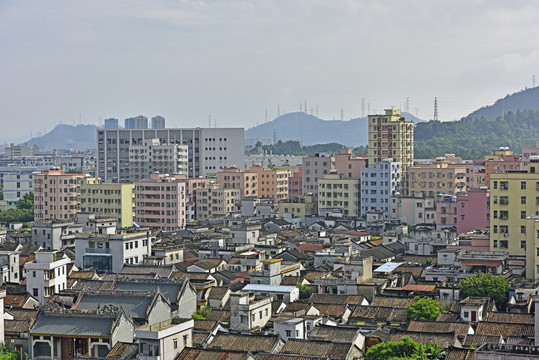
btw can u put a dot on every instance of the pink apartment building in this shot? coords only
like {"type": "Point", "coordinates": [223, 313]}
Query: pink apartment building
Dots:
{"type": "Point", "coordinates": [160, 202]}
{"type": "Point", "coordinates": [191, 185]}
{"type": "Point", "coordinates": [349, 165]}
{"type": "Point", "coordinates": [526, 153]}
{"type": "Point", "coordinates": [295, 185]}
{"type": "Point", "coordinates": [235, 178]}
{"type": "Point", "coordinates": [56, 195]}
{"type": "Point", "coordinates": [473, 210]}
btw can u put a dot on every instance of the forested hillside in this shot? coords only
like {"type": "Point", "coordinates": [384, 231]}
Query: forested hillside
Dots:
{"type": "Point", "coordinates": [472, 138]}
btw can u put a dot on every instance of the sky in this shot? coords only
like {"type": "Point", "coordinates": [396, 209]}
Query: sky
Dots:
{"type": "Point", "coordinates": [84, 61]}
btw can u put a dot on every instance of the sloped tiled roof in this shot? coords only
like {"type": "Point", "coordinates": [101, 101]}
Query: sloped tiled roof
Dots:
{"type": "Point", "coordinates": [476, 340]}
{"type": "Point", "coordinates": [317, 348]}
{"type": "Point", "coordinates": [73, 324]}
{"type": "Point", "coordinates": [391, 301]}
{"type": "Point", "coordinates": [335, 299]}
{"type": "Point", "coordinates": [334, 333]}
{"type": "Point", "coordinates": [310, 247]}
{"type": "Point", "coordinates": [134, 306]}
{"type": "Point", "coordinates": [334, 311]}
{"type": "Point", "coordinates": [218, 292]}
{"type": "Point", "coordinates": [123, 351]}
{"type": "Point", "coordinates": [459, 354]}
{"type": "Point", "coordinates": [505, 329]}
{"type": "Point", "coordinates": [252, 343]}
{"type": "Point", "coordinates": [219, 315]}
{"type": "Point", "coordinates": [461, 329]}
{"type": "Point", "coordinates": [511, 318]}
{"type": "Point", "coordinates": [210, 354]}
{"type": "Point", "coordinates": [444, 340]}
{"type": "Point", "coordinates": [380, 314]}
{"type": "Point", "coordinates": [169, 290]}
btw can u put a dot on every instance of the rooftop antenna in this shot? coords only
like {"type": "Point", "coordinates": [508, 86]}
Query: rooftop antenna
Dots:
{"type": "Point", "coordinates": [435, 109]}
{"type": "Point", "coordinates": [362, 107]}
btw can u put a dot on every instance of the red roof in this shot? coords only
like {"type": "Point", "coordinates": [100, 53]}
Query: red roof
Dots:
{"type": "Point", "coordinates": [242, 274]}
{"type": "Point", "coordinates": [410, 287]}
{"type": "Point", "coordinates": [310, 247]}
{"type": "Point", "coordinates": [481, 262]}
{"type": "Point", "coordinates": [191, 261]}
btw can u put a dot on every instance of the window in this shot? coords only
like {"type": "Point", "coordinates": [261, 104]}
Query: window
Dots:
{"type": "Point", "coordinates": [503, 244]}
{"type": "Point", "coordinates": [175, 343]}
{"type": "Point", "coordinates": [523, 200]}
{"type": "Point", "coordinates": [523, 214]}
{"type": "Point", "coordinates": [466, 314]}
{"type": "Point", "coordinates": [185, 339]}
{"type": "Point", "coordinates": [288, 333]}
{"type": "Point", "coordinates": [523, 185]}
{"type": "Point", "coordinates": [35, 292]}
{"type": "Point", "coordinates": [253, 317]}
{"type": "Point", "coordinates": [495, 243]}
{"type": "Point", "coordinates": [523, 244]}
{"type": "Point", "coordinates": [522, 229]}
{"type": "Point", "coordinates": [33, 274]}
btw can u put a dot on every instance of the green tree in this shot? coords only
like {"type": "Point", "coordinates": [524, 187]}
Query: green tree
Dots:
{"type": "Point", "coordinates": [405, 349]}
{"type": "Point", "coordinates": [304, 291]}
{"type": "Point", "coordinates": [27, 202]}
{"type": "Point", "coordinates": [201, 313]}
{"type": "Point", "coordinates": [425, 309]}
{"type": "Point", "coordinates": [486, 285]}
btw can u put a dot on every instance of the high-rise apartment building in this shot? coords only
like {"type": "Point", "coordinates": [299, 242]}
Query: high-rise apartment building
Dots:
{"type": "Point", "coordinates": [111, 123]}
{"type": "Point", "coordinates": [272, 183]}
{"type": "Point", "coordinates": [513, 198]}
{"type": "Point", "coordinates": [56, 195]}
{"type": "Point", "coordinates": [139, 122]}
{"type": "Point", "coordinates": [216, 202]}
{"type": "Point", "coordinates": [436, 178]}
{"type": "Point", "coordinates": [160, 203]}
{"type": "Point", "coordinates": [209, 150]}
{"type": "Point", "coordinates": [154, 156]}
{"type": "Point", "coordinates": [158, 122]}
{"type": "Point", "coordinates": [235, 178]}
{"type": "Point", "coordinates": [314, 167]}
{"type": "Point", "coordinates": [391, 136]}
{"type": "Point", "coordinates": [108, 200]}
{"type": "Point", "coordinates": [337, 193]}
{"type": "Point", "coordinates": [378, 185]}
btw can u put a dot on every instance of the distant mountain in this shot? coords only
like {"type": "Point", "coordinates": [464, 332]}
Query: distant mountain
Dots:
{"type": "Point", "coordinates": [527, 99]}
{"type": "Point", "coordinates": [312, 130]}
{"type": "Point", "coordinates": [80, 137]}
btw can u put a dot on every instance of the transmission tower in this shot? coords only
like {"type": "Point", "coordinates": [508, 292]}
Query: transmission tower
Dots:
{"type": "Point", "coordinates": [362, 107]}
{"type": "Point", "coordinates": [533, 81]}
{"type": "Point", "coordinates": [407, 105]}
{"type": "Point", "coordinates": [435, 109]}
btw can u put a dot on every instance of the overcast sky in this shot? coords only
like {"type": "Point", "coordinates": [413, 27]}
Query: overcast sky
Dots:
{"type": "Point", "coordinates": [67, 61]}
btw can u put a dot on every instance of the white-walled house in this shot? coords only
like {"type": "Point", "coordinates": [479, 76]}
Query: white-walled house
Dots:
{"type": "Point", "coordinates": [46, 275]}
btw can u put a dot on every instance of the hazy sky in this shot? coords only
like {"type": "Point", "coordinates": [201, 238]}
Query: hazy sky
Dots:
{"type": "Point", "coordinates": [63, 61]}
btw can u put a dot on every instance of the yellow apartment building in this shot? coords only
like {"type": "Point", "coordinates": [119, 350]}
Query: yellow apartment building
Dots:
{"type": "Point", "coordinates": [337, 192]}
{"type": "Point", "coordinates": [272, 183]}
{"type": "Point", "coordinates": [108, 200]}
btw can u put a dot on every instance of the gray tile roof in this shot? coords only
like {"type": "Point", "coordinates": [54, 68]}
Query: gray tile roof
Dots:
{"type": "Point", "coordinates": [168, 290]}
{"type": "Point", "coordinates": [134, 306]}
{"type": "Point", "coordinates": [73, 325]}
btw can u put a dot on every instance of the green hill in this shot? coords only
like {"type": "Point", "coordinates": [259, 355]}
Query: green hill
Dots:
{"type": "Point", "coordinates": [472, 138]}
{"type": "Point", "coordinates": [80, 137]}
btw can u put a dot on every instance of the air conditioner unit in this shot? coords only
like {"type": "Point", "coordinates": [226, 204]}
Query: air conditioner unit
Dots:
{"type": "Point", "coordinates": [505, 235]}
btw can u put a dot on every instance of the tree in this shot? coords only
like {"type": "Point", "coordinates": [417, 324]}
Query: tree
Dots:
{"type": "Point", "coordinates": [201, 313]}
{"type": "Point", "coordinates": [486, 285]}
{"type": "Point", "coordinates": [405, 349]}
{"type": "Point", "coordinates": [425, 309]}
{"type": "Point", "coordinates": [27, 202]}
{"type": "Point", "coordinates": [304, 291]}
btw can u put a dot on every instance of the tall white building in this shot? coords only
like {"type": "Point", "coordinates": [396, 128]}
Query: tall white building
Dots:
{"type": "Point", "coordinates": [16, 185]}
{"type": "Point", "coordinates": [154, 156]}
{"type": "Point", "coordinates": [46, 275]}
{"type": "Point", "coordinates": [209, 149]}
{"type": "Point", "coordinates": [158, 122]}
{"type": "Point", "coordinates": [379, 184]}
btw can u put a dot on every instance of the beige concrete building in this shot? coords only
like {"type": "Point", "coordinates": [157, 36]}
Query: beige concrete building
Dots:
{"type": "Point", "coordinates": [109, 200]}
{"type": "Point", "coordinates": [437, 177]}
{"type": "Point", "coordinates": [235, 178]}
{"type": "Point", "coordinates": [56, 195]}
{"type": "Point", "coordinates": [314, 167]}
{"type": "Point", "coordinates": [304, 206]}
{"type": "Point", "coordinates": [413, 210]}
{"type": "Point", "coordinates": [272, 183]}
{"type": "Point", "coordinates": [391, 136]}
{"type": "Point", "coordinates": [216, 202]}
{"type": "Point", "coordinates": [338, 193]}
{"type": "Point", "coordinates": [155, 156]}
